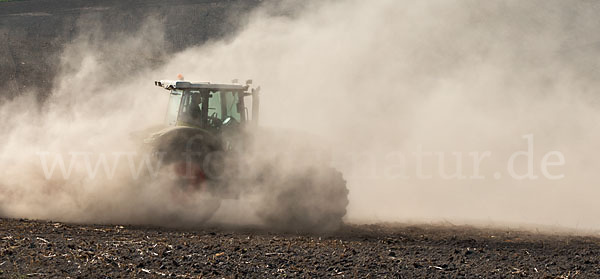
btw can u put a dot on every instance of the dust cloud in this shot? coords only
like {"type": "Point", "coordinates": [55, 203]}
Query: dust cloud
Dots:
{"type": "Point", "coordinates": [408, 95]}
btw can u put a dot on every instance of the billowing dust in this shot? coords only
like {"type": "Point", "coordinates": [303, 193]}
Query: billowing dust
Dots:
{"type": "Point", "coordinates": [407, 94]}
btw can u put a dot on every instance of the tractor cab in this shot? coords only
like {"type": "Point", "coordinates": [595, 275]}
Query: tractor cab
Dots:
{"type": "Point", "coordinates": [209, 106]}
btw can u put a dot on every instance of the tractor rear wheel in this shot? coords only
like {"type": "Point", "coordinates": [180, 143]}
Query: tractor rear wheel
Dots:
{"type": "Point", "coordinates": [312, 199]}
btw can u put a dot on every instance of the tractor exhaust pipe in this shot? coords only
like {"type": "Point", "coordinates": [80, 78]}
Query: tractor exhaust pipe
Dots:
{"type": "Point", "coordinates": [255, 105]}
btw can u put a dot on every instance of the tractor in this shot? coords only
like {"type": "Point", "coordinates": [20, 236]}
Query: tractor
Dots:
{"type": "Point", "coordinates": [212, 144]}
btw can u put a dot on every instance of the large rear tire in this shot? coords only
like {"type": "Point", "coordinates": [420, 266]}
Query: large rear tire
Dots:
{"type": "Point", "coordinates": [313, 199]}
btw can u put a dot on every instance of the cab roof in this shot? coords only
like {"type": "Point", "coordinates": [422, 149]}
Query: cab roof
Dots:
{"type": "Point", "coordinates": [182, 84]}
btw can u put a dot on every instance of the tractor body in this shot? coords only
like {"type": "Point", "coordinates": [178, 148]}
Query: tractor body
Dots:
{"type": "Point", "coordinates": [212, 144]}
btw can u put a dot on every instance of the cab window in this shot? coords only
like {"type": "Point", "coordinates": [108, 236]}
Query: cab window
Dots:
{"type": "Point", "coordinates": [231, 100]}
{"type": "Point", "coordinates": [214, 105]}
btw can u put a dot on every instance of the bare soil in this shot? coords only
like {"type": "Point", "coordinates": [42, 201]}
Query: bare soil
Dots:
{"type": "Point", "coordinates": [33, 33]}
{"type": "Point", "coordinates": [48, 249]}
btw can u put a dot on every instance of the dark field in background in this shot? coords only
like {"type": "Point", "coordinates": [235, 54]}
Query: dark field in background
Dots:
{"type": "Point", "coordinates": [33, 33]}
